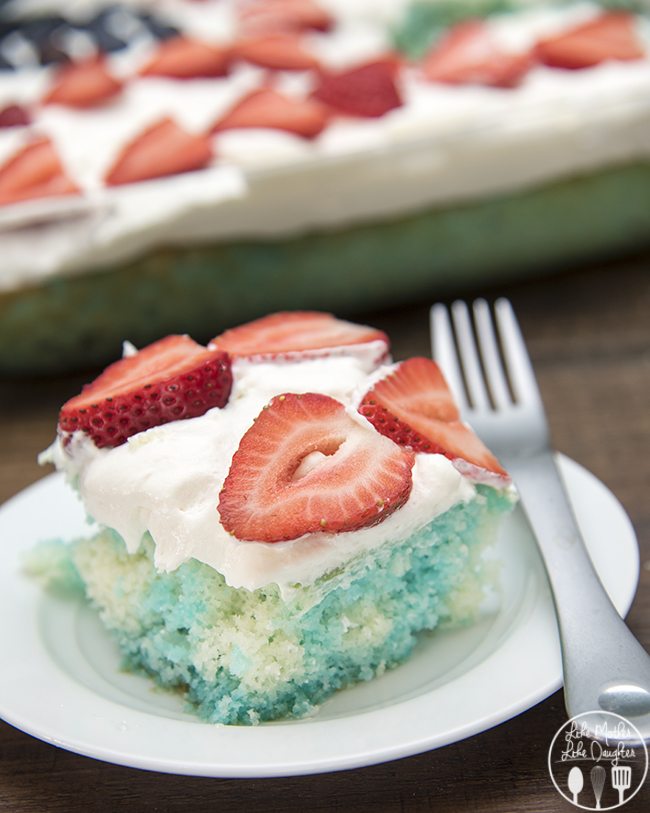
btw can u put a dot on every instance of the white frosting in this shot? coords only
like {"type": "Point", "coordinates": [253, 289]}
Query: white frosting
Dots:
{"type": "Point", "coordinates": [444, 145]}
{"type": "Point", "coordinates": [167, 481]}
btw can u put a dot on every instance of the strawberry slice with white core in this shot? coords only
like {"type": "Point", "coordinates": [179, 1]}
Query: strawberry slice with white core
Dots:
{"type": "Point", "coordinates": [35, 171]}
{"type": "Point", "coordinates": [83, 84]}
{"type": "Point", "coordinates": [469, 55]}
{"type": "Point", "coordinates": [297, 332]}
{"type": "Point", "coordinates": [278, 51]}
{"type": "Point", "coordinates": [163, 149]}
{"type": "Point", "coordinates": [269, 109]}
{"type": "Point", "coordinates": [414, 407]}
{"type": "Point", "coordinates": [170, 380]}
{"type": "Point", "coordinates": [285, 15]}
{"type": "Point", "coordinates": [610, 36]}
{"type": "Point", "coordinates": [187, 58]}
{"type": "Point", "coordinates": [306, 466]}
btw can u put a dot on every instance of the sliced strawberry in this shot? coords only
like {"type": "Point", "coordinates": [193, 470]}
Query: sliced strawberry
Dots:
{"type": "Point", "coordinates": [14, 116]}
{"type": "Point", "coordinates": [35, 171]}
{"type": "Point", "coordinates": [468, 55]}
{"type": "Point", "coordinates": [83, 84]}
{"type": "Point", "coordinates": [298, 332]}
{"type": "Point", "coordinates": [280, 52]}
{"type": "Point", "coordinates": [186, 58]}
{"type": "Point", "coordinates": [368, 90]}
{"type": "Point", "coordinates": [609, 36]}
{"type": "Point", "coordinates": [285, 15]}
{"type": "Point", "coordinates": [171, 379]}
{"type": "Point", "coordinates": [414, 407]}
{"type": "Point", "coordinates": [306, 466]}
{"type": "Point", "coordinates": [162, 149]}
{"type": "Point", "coordinates": [269, 109]}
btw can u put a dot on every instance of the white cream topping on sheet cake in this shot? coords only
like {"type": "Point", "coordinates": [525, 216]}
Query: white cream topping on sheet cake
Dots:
{"type": "Point", "coordinates": [445, 145]}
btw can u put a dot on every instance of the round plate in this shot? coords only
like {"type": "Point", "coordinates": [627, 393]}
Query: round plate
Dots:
{"type": "Point", "coordinates": [61, 679]}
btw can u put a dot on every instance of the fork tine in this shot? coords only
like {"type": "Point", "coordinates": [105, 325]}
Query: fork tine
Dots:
{"type": "Point", "coordinates": [518, 366]}
{"type": "Point", "coordinates": [469, 356]}
{"type": "Point", "coordinates": [443, 351]}
{"type": "Point", "coordinates": [490, 354]}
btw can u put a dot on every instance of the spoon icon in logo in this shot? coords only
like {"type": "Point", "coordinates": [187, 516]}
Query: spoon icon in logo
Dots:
{"type": "Point", "coordinates": [576, 783]}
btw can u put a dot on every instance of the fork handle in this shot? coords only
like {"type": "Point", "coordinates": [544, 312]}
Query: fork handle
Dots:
{"type": "Point", "coordinates": [604, 665]}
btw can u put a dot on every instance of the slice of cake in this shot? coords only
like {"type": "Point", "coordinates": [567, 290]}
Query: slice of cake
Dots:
{"type": "Point", "coordinates": [279, 514]}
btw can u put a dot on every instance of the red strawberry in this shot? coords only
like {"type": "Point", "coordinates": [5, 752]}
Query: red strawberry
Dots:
{"type": "Point", "coordinates": [280, 52]}
{"type": "Point", "coordinates": [171, 379]}
{"type": "Point", "coordinates": [163, 149]}
{"type": "Point", "coordinates": [306, 466]}
{"type": "Point", "coordinates": [468, 55]}
{"type": "Point", "coordinates": [268, 108]}
{"type": "Point", "coordinates": [35, 171]}
{"type": "Point", "coordinates": [14, 116]}
{"type": "Point", "coordinates": [186, 58]}
{"type": "Point", "coordinates": [367, 90]}
{"type": "Point", "coordinates": [414, 407]}
{"type": "Point", "coordinates": [83, 84]}
{"type": "Point", "coordinates": [285, 15]}
{"type": "Point", "coordinates": [297, 332]}
{"type": "Point", "coordinates": [610, 36]}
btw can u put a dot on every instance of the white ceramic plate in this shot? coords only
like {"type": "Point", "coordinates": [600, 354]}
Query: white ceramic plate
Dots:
{"type": "Point", "coordinates": [60, 678]}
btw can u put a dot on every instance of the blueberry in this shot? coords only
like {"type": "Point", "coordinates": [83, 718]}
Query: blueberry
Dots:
{"type": "Point", "coordinates": [106, 42]}
{"type": "Point", "coordinates": [114, 27]}
{"type": "Point", "coordinates": [6, 28]}
{"type": "Point", "coordinates": [39, 34]}
{"type": "Point", "coordinates": [159, 29]}
{"type": "Point", "coordinates": [39, 29]}
{"type": "Point", "coordinates": [50, 54]}
{"type": "Point", "coordinates": [18, 50]}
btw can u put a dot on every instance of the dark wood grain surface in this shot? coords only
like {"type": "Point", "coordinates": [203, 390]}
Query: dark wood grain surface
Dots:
{"type": "Point", "coordinates": [588, 333]}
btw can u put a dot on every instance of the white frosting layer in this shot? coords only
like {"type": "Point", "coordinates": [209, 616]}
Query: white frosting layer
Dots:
{"type": "Point", "coordinates": [445, 145]}
{"type": "Point", "coordinates": [167, 481]}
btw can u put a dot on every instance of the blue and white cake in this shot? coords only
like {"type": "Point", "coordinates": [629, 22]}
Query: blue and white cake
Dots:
{"type": "Point", "coordinates": [296, 512]}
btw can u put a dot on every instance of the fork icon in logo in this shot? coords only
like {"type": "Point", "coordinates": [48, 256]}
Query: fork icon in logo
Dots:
{"type": "Point", "coordinates": [621, 780]}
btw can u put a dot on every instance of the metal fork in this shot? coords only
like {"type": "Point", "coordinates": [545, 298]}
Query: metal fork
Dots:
{"type": "Point", "coordinates": [486, 364]}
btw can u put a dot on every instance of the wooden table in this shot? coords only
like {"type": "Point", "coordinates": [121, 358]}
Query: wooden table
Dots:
{"type": "Point", "coordinates": [589, 336]}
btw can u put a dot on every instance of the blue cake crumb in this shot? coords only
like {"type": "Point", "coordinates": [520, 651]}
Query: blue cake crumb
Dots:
{"type": "Point", "coordinates": [244, 657]}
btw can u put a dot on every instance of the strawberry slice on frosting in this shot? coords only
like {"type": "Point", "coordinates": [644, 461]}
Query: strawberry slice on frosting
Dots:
{"type": "Point", "coordinates": [170, 380]}
{"type": "Point", "coordinates": [284, 15]}
{"type": "Point", "coordinates": [367, 91]}
{"type": "Point", "coordinates": [164, 148]}
{"type": "Point", "coordinates": [187, 58]}
{"type": "Point", "coordinates": [307, 466]}
{"type": "Point", "coordinates": [83, 84]}
{"type": "Point", "coordinates": [268, 109]}
{"type": "Point", "coordinates": [276, 51]}
{"type": "Point", "coordinates": [610, 36]}
{"type": "Point", "coordinates": [35, 171]}
{"type": "Point", "coordinates": [298, 333]}
{"type": "Point", "coordinates": [414, 407]}
{"type": "Point", "coordinates": [469, 55]}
